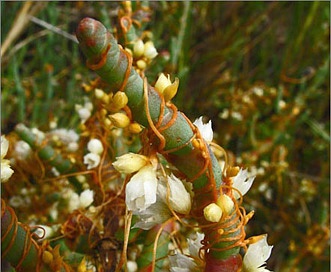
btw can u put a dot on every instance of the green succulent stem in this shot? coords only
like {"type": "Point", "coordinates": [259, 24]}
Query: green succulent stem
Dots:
{"type": "Point", "coordinates": [148, 108]}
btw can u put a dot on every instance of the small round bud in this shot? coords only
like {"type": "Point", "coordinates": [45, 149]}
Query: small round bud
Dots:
{"type": "Point", "coordinates": [135, 128]}
{"type": "Point", "coordinates": [212, 213]}
{"type": "Point", "coordinates": [138, 48]}
{"type": "Point", "coordinates": [225, 203]}
{"type": "Point", "coordinates": [119, 119]}
{"type": "Point", "coordinates": [95, 146]}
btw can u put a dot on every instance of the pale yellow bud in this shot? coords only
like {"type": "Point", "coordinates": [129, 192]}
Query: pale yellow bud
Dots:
{"type": "Point", "coordinates": [138, 48]}
{"type": "Point", "coordinates": [107, 122]}
{"type": "Point", "coordinates": [99, 93]}
{"type": "Point", "coordinates": [170, 91]}
{"type": "Point", "coordinates": [106, 98]}
{"type": "Point", "coordinates": [120, 100]}
{"type": "Point", "coordinates": [150, 50]}
{"type": "Point", "coordinates": [135, 128]}
{"type": "Point", "coordinates": [47, 257]}
{"type": "Point", "coordinates": [225, 203]}
{"type": "Point", "coordinates": [212, 213]}
{"type": "Point", "coordinates": [232, 171]}
{"type": "Point", "coordinates": [119, 119]}
{"type": "Point", "coordinates": [130, 163]}
{"type": "Point", "coordinates": [162, 83]}
{"type": "Point", "coordinates": [141, 64]}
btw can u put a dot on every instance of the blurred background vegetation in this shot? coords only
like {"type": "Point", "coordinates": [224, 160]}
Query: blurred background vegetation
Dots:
{"type": "Point", "coordinates": [259, 70]}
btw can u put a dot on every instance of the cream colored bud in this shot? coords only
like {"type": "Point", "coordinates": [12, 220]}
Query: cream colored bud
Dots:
{"type": "Point", "coordinates": [107, 122]}
{"type": "Point", "coordinates": [119, 119]}
{"type": "Point", "coordinates": [212, 213]}
{"type": "Point", "coordinates": [120, 100]}
{"type": "Point", "coordinates": [130, 163]}
{"type": "Point", "coordinates": [141, 64]}
{"type": "Point", "coordinates": [135, 128]}
{"type": "Point", "coordinates": [138, 48]}
{"type": "Point", "coordinates": [95, 146]}
{"type": "Point", "coordinates": [99, 93]}
{"type": "Point", "coordinates": [106, 98]}
{"type": "Point", "coordinates": [225, 203]}
{"type": "Point", "coordinates": [150, 50]}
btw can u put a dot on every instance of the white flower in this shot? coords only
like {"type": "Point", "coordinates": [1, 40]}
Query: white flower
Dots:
{"type": "Point", "coordinates": [22, 149]}
{"type": "Point", "coordinates": [83, 113]}
{"type": "Point", "coordinates": [130, 163]}
{"type": "Point", "coordinates": [182, 263]}
{"type": "Point", "coordinates": [140, 191]}
{"type": "Point", "coordinates": [86, 198]}
{"type": "Point", "coordinates": [242, 183]}
{"type": "Point", "coordinates": [205, 129]}
{"type": "Point", "coordinates": [179, 198]}
{"type": "Point", "coordinates": [6, 171]}
{"type": "Point", "coordinates": [155, 214]}
{"type": "Point", "coordinates": [95, 146]}
{"type": "Point", "coordinates": [81, 201]}
{"type": "Point", "coordinates": [256, 256]}
{"type": "Point", "coordinates": [92, 160]}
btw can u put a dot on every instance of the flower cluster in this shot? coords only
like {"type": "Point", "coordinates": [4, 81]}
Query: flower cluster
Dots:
{"type": "Point", "coordinates": [151, 195]}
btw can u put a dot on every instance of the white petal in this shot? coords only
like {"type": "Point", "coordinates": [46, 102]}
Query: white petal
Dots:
{"type": "Point", "coordinates": [182, 263]}
{"type": "Point", "coordinates": [205, 129]}
{"type": "Point", "coordinates": [256, 256]}
{"type": "Point", "coordinates": [155, 214]}
{"type": "Point", "coordinates": [194, 244]}
{"type": "Point", "coordinates": [242, 183]}
{"type": "Point", "coordinates": [6, 171]}
{"type": "Point", "coordinates": [4, 146]}
{"type": "Point", "coordinates": [86, 198]}
{"type": "Point", "coordinates": [180, 199]}
{"type": "Point", "coordinates": [141, 189]}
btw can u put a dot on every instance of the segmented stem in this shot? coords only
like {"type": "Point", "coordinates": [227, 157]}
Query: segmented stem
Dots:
{"type": "Point", "coordinates": [170, 133]}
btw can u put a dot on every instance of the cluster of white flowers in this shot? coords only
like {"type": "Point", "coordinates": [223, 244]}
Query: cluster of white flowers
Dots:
{"type": "Point", "coordinates": [92, 159]}
{"type": "Point", "coordinates": [76, 201]}
{"type": "Point", "coordinates": [150, 196]}
{"type": "Point", "coordinates": [6, 171]}
{"type": "Point", "coordinates": [187, 262]}
{"type": "Point", "coordinates": [68, 137]}
{"type": "Point", "coordinates": [84, 111]}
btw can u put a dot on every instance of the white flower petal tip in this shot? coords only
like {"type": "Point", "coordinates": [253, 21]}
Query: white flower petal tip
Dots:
{"type": "Point", "coordinates": [140, 192]}
{"type": "Point", "coordinates": [130, 163]}
{"type": "Point", "coordinates": [256, 255]}
{"type": "Point", "coordinates": [205, 129]}
{"type": "Point", "coordinates": [242, 183]}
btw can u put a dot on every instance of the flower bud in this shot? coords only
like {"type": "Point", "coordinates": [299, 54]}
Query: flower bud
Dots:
{"type": "Point", "coordinates": [141, 64]}
{"type": "Point", "coordinates": [225, 203]}
{"type": "Point", "coordinates": [99, 93]}
{"type": "Point", "coordinates": [119, 119]}
{"type": "Point", "coordinates": [149, 50]}
{"type": "Point", "coordinates": [135, 128]}
{"type": "Point", "coordinates": [212, 213]}
{"type": "Point", "coordinates": [138, 48]}
{"type": "Point", "coordinates": [95, 146]}
{"type": "Point", "coordinates": [130, 162]}
{"type": "Point", "coordinates": [120, 100]}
